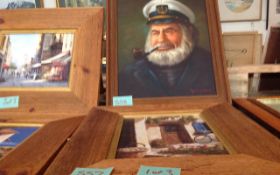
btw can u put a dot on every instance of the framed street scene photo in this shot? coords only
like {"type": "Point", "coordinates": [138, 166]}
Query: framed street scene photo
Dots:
{"type": "Point", "coordinates": [165, 50]}
{"type": "Point", "coordinates": [167, 135]}
{"type": "Point", "coordinates": [239, 10]}
{"type": "Point", "coordinates": [29, 66]}
{"type": "Point", "coordinates": [14, 4]}
{"type": "Point", "coordinates": [52, 64]}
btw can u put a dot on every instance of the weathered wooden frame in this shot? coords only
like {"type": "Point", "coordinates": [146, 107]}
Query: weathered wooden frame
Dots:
{"type": "Point", "coordinates": [61, 146]}
{"type": "Point", "coordinates": [39, 104]}
{"type": "Point", "coordinates": [198, 102]}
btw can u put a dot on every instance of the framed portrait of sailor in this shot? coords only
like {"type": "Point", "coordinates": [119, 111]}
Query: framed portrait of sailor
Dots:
{"type": "Point", "coordinates": [168, 49]}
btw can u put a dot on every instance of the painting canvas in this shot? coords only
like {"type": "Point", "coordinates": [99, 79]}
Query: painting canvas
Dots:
{"type": "Point", "coordinates": [167, 136]}
{"type": "Point", "coordinates": [14, 4]}
{"type": "Point", "coordinates": [240, 10]}
{"type": "Point", "coordinates": [148, 67]}
{"type": "Point", "coordinates": [43, 62]}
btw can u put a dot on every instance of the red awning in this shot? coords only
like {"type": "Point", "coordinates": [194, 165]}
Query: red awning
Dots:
{"type": "Point", "coordinates": [5, 66]}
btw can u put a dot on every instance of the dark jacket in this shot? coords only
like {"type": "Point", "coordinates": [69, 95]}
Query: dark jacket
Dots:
{"type": "Point", "coordinates": [194, 76]}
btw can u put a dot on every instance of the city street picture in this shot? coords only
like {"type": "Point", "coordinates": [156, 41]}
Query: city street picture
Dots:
{"type": "Point", "coordinates": [165, 136]}
{"type": "Point", "coordinates": [35, 60]}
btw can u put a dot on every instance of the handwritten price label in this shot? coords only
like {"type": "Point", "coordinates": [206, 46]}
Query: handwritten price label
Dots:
{"type": "Point", "coordinates": [149, 170]}
{"type": "Point", "coordinates": [92, 171]}
{"type": "Point", "coordinates": [9, 102]}
{"type": "Point", "coordinates": [122, 101]}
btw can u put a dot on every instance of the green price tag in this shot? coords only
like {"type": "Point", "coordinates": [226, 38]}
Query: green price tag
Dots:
{"type": "Point", "coordinates": [150, 170]}
{"type": "Point", "coordinates": [92, 171]}
{"type": "Point", "coordinates": [9, 102]}
{"type": "Point", "coordinates": [122, 101]}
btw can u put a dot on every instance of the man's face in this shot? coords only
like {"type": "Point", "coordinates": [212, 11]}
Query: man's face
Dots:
{"type": "Point", "coordinates": [174, 42]}
{"type": "Point", "coordinates": [166, 36]}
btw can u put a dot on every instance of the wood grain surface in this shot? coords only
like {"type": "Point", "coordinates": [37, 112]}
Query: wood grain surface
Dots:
{"type": "Point", "coordinates": [95, 139]}
{"type": "Point", "coordinates": [197, 165]}
{"type": "Point", "coordinates": [36, 153]}
{"type": "Point", "coordinates": [240, 134]}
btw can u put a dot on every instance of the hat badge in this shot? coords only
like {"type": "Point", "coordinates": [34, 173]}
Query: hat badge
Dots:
{"type": "Point", "coordinates": [162, 9]}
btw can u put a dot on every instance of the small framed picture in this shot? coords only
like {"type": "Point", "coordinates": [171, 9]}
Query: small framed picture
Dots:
{"type": "Point", "coordinates": [240, 10]}
{"type": "Point", "coordinates": [242, 48]}
{"type": "Point", "coordinates": [273, 13]}
{"type": "Point", "coordinates": [12, 134]}
{"type": "Point", "coordinates": [14, 4]}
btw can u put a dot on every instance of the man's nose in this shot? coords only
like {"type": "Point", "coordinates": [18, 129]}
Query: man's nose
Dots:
{"type": "Point", "coordinates": [161, 37]}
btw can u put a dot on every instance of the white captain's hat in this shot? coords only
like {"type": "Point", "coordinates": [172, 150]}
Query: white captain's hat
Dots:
{"type": "Point", "coordinates": [165, 11]}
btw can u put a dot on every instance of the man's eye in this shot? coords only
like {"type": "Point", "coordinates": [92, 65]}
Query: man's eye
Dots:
{"type": "Point", "coordinates": [170, 31]}
{"type": "Point", "coordinates": [155, 33]}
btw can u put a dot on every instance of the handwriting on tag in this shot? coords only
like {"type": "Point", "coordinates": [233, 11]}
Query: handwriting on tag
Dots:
{"type": "Point", "coordinates": [9, 102]}
{"type": "Point", "coordinates": [150, 170]}
{"type": "Point", "coordinates": [92, 171]}
{"type": "Point", "coordinates": [122, 101]}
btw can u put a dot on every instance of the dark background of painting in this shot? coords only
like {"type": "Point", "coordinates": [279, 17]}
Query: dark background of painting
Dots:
{"type": "Point", "coordinates": [132, 28]}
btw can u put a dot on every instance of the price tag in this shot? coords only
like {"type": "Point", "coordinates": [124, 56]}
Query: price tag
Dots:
{"type": "Point", "coordinates": [9, 102]}
{"type": "Point", "coordinates": [122, 101]}
{"type": "Point", "coordinates": [150, 170]}
{"type": "Point", "coordinates": [92, 171]}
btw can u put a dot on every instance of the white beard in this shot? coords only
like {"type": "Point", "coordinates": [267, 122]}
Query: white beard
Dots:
{"type": "Point", "coordinates": [171, 57]}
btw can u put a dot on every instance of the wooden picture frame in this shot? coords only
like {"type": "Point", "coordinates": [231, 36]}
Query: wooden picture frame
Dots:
{"type": "Point", "coordinates": [10, 4]}
{"type": "Point", "coordinates": [79, 139]}
{"type": "Point", "coordinates": [263, 110]}
{"type": "Point", "coordinates": [37, 104]}
{"type": "Point", "coordinates": [208, 10]}
{"type": "Point", "coordinates": [273, 12]}
{"type": "Point", "coordinates": [242, 48]}
{"type": "Point", "coordinates": [273, 103]}
{"type": "Point", "coordinates": [240, 11]}
{"type": "Point", "coordinates": [269, 82]}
